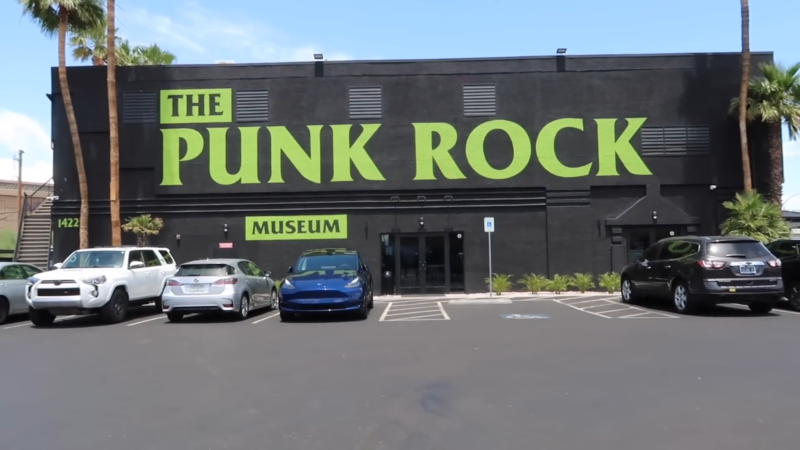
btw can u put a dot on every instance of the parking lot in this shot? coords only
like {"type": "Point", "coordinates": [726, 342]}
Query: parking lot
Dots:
{"type": "Point", "coordinates": [559, 371]}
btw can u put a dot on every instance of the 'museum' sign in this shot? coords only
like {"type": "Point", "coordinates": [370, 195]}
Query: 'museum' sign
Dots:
{"type": "Point", "coordinates": [292, 228]}
{"type": "Point", "coordinates": [210, 113]}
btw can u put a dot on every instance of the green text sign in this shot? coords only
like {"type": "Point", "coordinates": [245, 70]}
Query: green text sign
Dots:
{"type": "Point", "coordinates": [293, 228]}
{"type": "Point", "coordinates": [196, 106]}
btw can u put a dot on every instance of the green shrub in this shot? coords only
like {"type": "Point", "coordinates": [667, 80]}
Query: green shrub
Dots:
{"type": "Point", "coordinates": [8, 239]}
{"type": "Point", "coordinates": [559, 283]}
{"type": "Point", "coordinates": [534, 282]}
{"type": "Point", "coordinates": [500, 283]}
{"type": "Point", "coordinates": [751, 215]}
{"type": "Point", "coordinates": [610, 281]}
{"type": "Point", "coordinates": [583, 281]}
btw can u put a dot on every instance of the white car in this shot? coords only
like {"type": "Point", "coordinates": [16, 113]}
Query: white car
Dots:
{"type": "Point", "coordinates": [104, 281]}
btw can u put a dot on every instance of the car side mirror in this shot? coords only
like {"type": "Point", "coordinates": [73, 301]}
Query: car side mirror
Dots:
{"type": "Point", "coordinates": [290, 269]}
{"type": "Point", "coordinates": [267, 273]}
{"type": "Point", "coordinates": [135, 264]}
{"type": "Point", "coordinates": [58, 265]}
{"type": "Point", "coordinates": [366, 267]}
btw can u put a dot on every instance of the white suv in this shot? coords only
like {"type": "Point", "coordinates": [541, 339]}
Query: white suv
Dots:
{"type": "Point", "coordinates": [103, 281]}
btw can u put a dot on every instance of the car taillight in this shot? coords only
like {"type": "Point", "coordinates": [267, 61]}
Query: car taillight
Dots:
{"type": "Point", "coordinates": [226, 281]}
{"type": "Point", "coordinates": [775, 263]}
{"type": "Point", "coordinates": [706, 264]}
{"type": "Point", "coordinates": [173, 283]}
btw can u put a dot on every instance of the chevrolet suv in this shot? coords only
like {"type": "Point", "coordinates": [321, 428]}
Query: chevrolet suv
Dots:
{"type": "Point", "coordinates": [693, 271]}
{"type": "Point", "coordinates": [104, 281]}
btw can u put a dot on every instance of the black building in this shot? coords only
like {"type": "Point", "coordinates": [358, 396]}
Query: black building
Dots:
{"type": "Point", "coordinates": [581, 161]}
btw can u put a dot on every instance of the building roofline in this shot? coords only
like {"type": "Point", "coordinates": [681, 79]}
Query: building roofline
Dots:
{"type": "Point", "coordinates": [439, 60]}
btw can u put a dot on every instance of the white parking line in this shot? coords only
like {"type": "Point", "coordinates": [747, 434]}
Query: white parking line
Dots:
{"type": "Point", "coordinates": [27, 324]}
{"type": "Point", "coordinates": [416, 311]}
{"type": "Point", "coordinates": [385, 311]}
{"type": "Point", "coordinates": [610, 301]}
{"type": "Point", "coordinates": [444, 313]}
{"type": "Point", "coordinates": [265, 318]}
{"type": "Point", "coordinates": [162, 316]}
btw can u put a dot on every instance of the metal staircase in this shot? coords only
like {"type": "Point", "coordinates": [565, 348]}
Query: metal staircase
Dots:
{"type": "Point", "coordinates": [35, 233]}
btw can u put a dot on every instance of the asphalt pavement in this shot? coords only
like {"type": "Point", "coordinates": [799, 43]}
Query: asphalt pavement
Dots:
{"type": "Point", "coordinates": [530, 374]}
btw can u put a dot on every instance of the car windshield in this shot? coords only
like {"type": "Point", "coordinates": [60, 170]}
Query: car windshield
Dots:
{"type": "Point", "coordinates": [738, 249]}
{"type": "Point", "coordinates": [94, 258]}
{"type": "Point", "coordinates": [327, 262]}
{"type": "Point", "coordinates": [202, 270]}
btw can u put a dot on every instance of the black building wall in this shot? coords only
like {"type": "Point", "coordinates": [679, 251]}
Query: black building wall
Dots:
{"type": "Point", "coordinates": [546, 224]}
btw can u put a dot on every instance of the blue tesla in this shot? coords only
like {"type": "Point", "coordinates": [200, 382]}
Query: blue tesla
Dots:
{"type": "Point", "coordinates": [330, 280]}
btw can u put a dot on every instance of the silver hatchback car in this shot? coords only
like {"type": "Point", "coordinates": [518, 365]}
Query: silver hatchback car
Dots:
{"type": "Point", "coordinates": [236, 286]}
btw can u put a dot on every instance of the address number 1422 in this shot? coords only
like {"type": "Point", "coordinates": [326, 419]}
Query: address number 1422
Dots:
{"type": "Point", "coordinates": [68, 222]}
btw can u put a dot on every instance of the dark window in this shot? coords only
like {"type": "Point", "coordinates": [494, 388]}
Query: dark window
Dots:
{"type": "Point", "coordinates": [205, 270]}
{"type": "Point", "coordinates": [327, 262]}
{"type": "Point", "coordinates": [784, 249]}
{"type": "Point", "coordinates": [679, 249]}
{"type": "Point", "coordinates": [254, 269]}
{"type": "Point", "coordinates": [167, 256]}
{"type": "Point", "coordinates": [244, 267]}
{"type": "Point", "coordinates": [135, 255]}
{"type": "Point", "coordinates": [651, 254]}
{"type": "Point", "coordinates": [12, 272]}
{"type": "Point", "coordinates": [95, 258]}
{"type": "Point", "coordinates": [30, 270]}
{"type": "Point", "coordinates": [738, 249]}
{"type": "Point", "coordinates": [150, 258]}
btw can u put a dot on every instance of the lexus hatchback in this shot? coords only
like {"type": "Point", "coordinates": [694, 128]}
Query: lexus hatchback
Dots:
{"type": "Point", "coordinates": [693, 271]}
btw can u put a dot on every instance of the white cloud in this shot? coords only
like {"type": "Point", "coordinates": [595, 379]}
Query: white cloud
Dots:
{"type": "Point", "coordinates": [214, 36]}
{"type": "Point", "coordinates": [20, 132]}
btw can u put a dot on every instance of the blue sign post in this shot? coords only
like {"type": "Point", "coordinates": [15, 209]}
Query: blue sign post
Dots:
{"type": "Point", "coordinates": [488, 227]}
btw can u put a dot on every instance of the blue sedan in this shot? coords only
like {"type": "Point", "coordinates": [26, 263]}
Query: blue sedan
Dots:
{"type": "Point", "coordinates": [327, 281]}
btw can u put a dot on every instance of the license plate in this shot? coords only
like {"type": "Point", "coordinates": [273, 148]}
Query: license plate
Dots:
{"type": "Point", "coordinates": [747, 270]}
{"type": "Point", "coordinates": [194, 289]}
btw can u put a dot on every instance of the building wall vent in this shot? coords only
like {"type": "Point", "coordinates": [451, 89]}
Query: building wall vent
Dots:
{"type": "Point", "coordinates": [139, 107]}
{"type": "Point", "coordinates": [675, 141]}
{"type": "Point", "coordinates": [366, 103]}
{"type": "Point", "coordinates": [480, 100]}
{"type": "Point", "coordinates": [252, 106]}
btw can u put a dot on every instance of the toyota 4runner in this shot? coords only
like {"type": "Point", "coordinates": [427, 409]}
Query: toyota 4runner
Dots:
{"type": "Point", "coordinates": [104, 281]}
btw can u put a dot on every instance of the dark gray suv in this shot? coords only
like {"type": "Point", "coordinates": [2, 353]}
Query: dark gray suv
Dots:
{"type": "Point", "coordinates": [693, 271]}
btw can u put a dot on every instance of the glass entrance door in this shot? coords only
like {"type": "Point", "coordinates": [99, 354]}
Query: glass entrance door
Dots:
{"type": "Point", "coordinates": [422, 263]}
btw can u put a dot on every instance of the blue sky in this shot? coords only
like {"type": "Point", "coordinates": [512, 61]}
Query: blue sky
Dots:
{"type": "Point", "coordinates": [204, 31]}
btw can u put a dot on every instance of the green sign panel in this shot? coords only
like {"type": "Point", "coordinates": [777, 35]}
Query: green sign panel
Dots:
{"type": "Point", "coordinates": [294, 228]}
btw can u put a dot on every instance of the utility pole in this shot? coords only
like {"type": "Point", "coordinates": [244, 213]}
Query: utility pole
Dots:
{"type": "Point", "coordinates": [18, 159]}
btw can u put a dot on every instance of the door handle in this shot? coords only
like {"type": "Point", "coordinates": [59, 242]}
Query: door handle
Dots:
{"type": "Point", "coordinates": [667, 266]}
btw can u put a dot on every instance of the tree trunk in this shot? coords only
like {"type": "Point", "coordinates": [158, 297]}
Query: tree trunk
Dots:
{"type": "Point", "coordinates": [63, 16]}
{"type": "Point", "coordinates": [113, 130]}
{"type": "Point", "coordinates": [748, 177]}
{"type": "Point", "coordinates": [775, 163]}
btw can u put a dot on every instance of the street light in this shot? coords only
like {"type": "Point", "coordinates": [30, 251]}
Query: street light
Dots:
{"type": "Point", "coordinates": [561, 51]}
{"type": "Point", "coordinates": [318, 56]}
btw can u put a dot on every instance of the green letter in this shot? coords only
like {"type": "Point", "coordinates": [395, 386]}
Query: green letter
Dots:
{"type": "Point", "coordinates": [282, 141]}
{"type": "Point", "coordinates": [218, 156]}
{"type": "Point", "coordinates": [171, 152]}
{"type": "Point", "coordinates": [520, 143]}
{"type": "Point", "coordinates": [344, 153]}
{"type": "Point", "coordinates": [609, 147]}
{"type": "Point", "coordinates": [546, 149]}
{"type": "Point", "coordinates": [427, 155]}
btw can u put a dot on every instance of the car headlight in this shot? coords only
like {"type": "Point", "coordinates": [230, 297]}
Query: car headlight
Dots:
{"type": "Point", "coordinates": [95, 280]}
{"type": "Point", "coordinates": [287, 284]}
{"type": "Point", "coordinates": [356, 282]}
{"type": "Point", "coordinates": [32, 281]}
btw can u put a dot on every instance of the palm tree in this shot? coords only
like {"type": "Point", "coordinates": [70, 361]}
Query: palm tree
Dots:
{"type": "Point", "coordinates": [59, 17]}
{"type": "Point", "coordinates": [90, 45]}
{"type": "Point", "coordinates": [774, 100]}
{"type": "Point", "coordinates": [143, 226]}
{"type": "Point", "coordinates": [113, 126]}
{"type": "Point", "coordinates": [750, 215]}
{"type": "Point", "coordinates": [143, 55]}
{"type": "Point", "coordinates": [748, 176]}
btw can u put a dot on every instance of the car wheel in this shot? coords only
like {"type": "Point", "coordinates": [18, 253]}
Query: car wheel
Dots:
{"type": "Point", "coordinates": [371, 303]}
{"type": "Point", "coordinates": [363, 312]}
{"type": "Point", "coordinates": [273, 300]}
{"type": "Point", "coordinates": [627, 290]}
{"type": "Point", "coordinates": [681, 298]}
{"type": "Point", "coordinates": [244, 308]}
{"type": "Point", "coordinates": [287, 316]}
{"type": "Point", "coordinates": [4, 308]}
{"type": "Point", "coordinates": [174, 316]}
{"type": "Point", "coordinates": [116, 310]}
{"type": "Point", "coordinates": [794, 297]}
{"type": "Point", "coordinates": [41, 317]}
{"type": "Point", "coordinates": [760, 308]}
{"type": "Point", "coordinates": [159, 304]}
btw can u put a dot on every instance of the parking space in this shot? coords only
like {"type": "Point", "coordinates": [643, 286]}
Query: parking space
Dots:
{"type": "Point", "coordinates": [412, 310]}
{"type": "Point", "coordinates": [610, 307]}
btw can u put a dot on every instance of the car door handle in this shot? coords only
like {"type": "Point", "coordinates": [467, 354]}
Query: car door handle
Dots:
{"type": "Point", "coordinates": [667, 266]}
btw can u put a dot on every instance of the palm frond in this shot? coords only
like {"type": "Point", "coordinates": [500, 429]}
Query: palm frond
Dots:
{"type": "Point", "coordinates": [751, 215]}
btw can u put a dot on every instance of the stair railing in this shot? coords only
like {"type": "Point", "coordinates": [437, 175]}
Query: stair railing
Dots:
{"type": "Point", "coordinates": [35, 202]}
